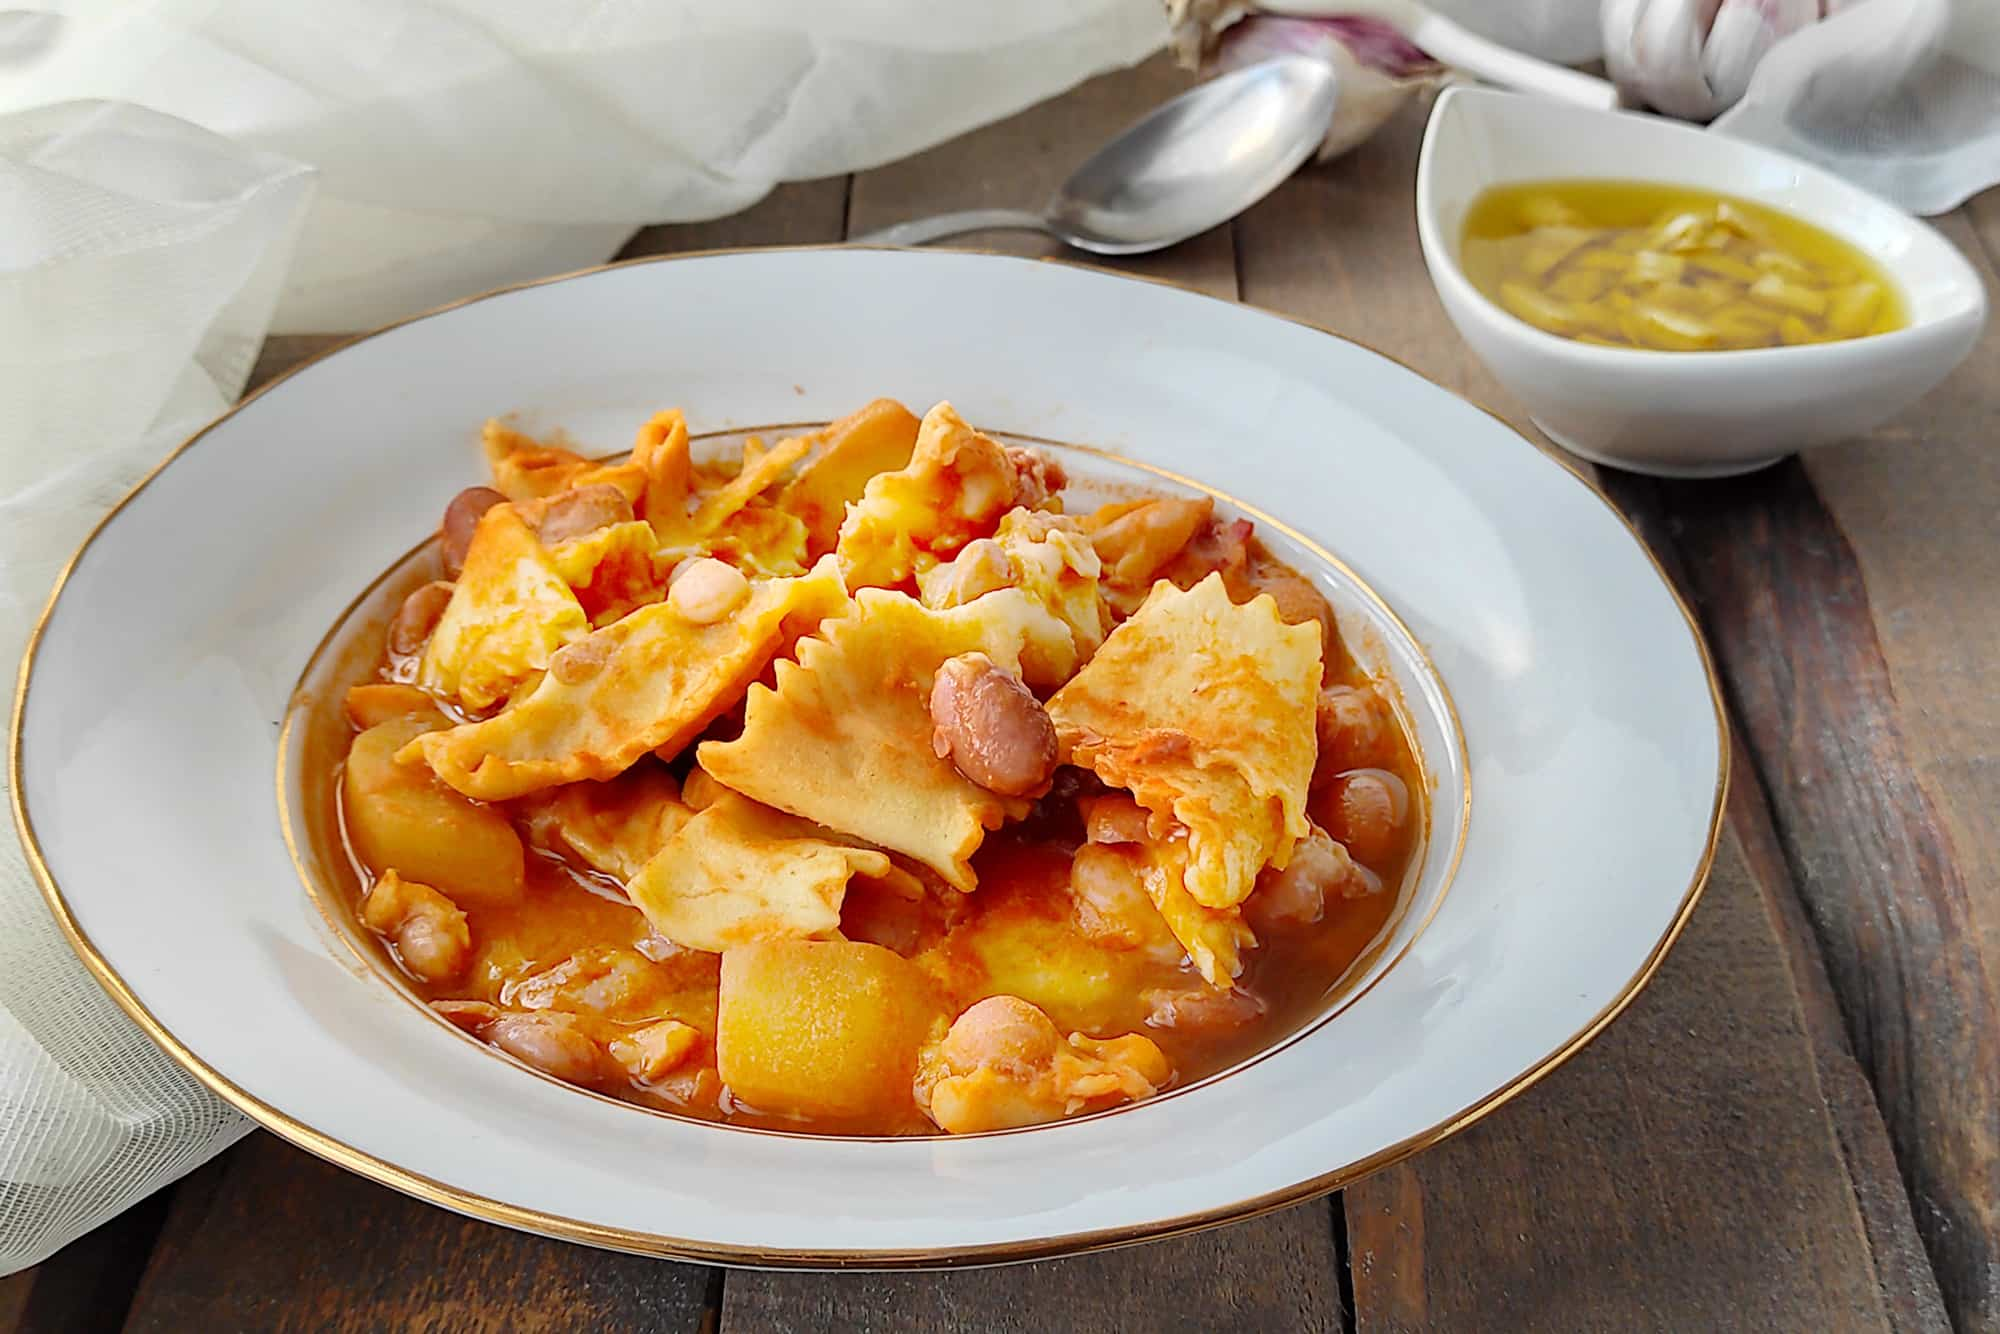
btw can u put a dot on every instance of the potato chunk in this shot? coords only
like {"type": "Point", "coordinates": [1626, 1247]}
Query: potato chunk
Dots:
{"type": "Point", "coordinates": [827, 1028]}
{"type": "Point", "coordinates": [401, 816]}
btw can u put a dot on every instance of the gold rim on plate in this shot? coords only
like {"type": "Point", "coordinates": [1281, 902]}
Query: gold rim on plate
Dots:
{"type": "Point", "coordinates": [436, 1192]}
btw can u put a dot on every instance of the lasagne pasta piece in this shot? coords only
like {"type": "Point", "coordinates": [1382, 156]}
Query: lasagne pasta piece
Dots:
{"type": "Point", "coordinates": [1137, 539]}
{"type": "Point", "coordinates": [845, 738]}
{"type": "Point", "coordinates": [699, 511]}
{"type": "Point", "coordinates": [762, 469]}
{"type": "Point", "coordinates": [760, 540]}
{"type": "Point", "coordinates": [1123, 852]}
{"type": "Point", "coordinates": [661, 455]}
{"type": "Point", "coordinates": [1204, 711]}
{"type": "Point", "coordinates": [619, 985]}
{"type": "Point", "coordinates": [740, 872]}
{"type": "Point", "coordinates": [614, 827]}
{"type": "Point", "coordinates": [955, 488]}
{"type": "Point", "coordinates": [1042, 554]}
{"type": "Point", "coordinates": [526, 469]}
{"type": "Point", "coordinates": [877, 439]}
{"type": "Point", "coordinates": [651, 680]}
{"type": "Point", "coordinates": [509, 612]}
{"type": "Point", "coordinates": [611, 570]}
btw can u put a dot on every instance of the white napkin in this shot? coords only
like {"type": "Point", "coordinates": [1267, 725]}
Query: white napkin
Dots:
{"type": "Point", "coordinates": [140, 258]}
{"type": "Point", "coordinates": [464, 144]}
{"type": "Point", "coordinates": [178, 178]}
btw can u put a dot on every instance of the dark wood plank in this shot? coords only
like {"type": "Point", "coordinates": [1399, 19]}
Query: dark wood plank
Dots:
{"type": "Point", "coordinates": [1877, 866]}
{"type": "Point", "coordinates": [87, 1285]}
{"type": "Point", "coordinates": [1897, 528]}
{"type": "Point", "coordinates": [1336, 246]}
{"type": "Point", "coordinates": [1872, 715]}
{"type": "Point", "coordinates": [1684, 1172]}
{"type": "Point", "coordinates": [287, 351]}
{"type": "Point", "coordinates": [1982, 212]}
{"type": "Point", "coordinates": [1680, 1173]}
{"type": "Point", "coordinates": [1917, 503]}
{"type": "Point", "coordinates": [1909, 1287]}
{"type": "Point", "coordinates": [1273, 1273]}
{"type": "Point", "coordinates": [802, 213]}
{"type": "Point", "coordinates": [1903, 1273]}
{"type": "Point", "coordinates": [14, 1290]}
{"type": "Point", "coordinates": [270, 1238]}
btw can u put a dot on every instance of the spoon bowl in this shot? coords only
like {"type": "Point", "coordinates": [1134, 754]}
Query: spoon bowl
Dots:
{"type": "Point", "coordinates": [1187, 166]}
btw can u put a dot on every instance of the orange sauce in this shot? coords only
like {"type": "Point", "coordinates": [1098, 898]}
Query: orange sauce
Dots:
{"type": "Point", "coordinates": [1017, 934]}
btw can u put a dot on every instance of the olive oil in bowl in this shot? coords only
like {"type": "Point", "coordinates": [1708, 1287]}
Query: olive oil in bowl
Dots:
{"type": "Point", "coordinates": [1668, 268]}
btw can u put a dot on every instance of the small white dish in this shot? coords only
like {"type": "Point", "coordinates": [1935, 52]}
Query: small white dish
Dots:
{"type": "Point", "coordinates": [1570, 839]}
{"type": "Point", "coordinates": [1686, 414]}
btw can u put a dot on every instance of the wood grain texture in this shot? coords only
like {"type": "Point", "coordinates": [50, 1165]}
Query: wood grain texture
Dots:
{"type": "Point", "coordinates": [1919, 504]}
{"type": "Point", "coordinates": [1697, 1128]}
{"type": "Point", "coordinates": [87, 1285]}
{"type": "Point", "coordinates": [1789, 617]}
{"type": "Point", "coordinates": [1680, 1173]}
{"type": "Point", "coordinates": [1861, 605]}
{"type": "Point", "coordinates": [14, 1291]}
{"type": "Point", "coordinates": [268, 1237]}
{"type": "Point", "coordinates": [1336, 246]}
{"type": "Point", "coordinates": [1275, 1273]}
{"type": "Point", "coordinates": [802, 213]}
{"type": "Point", "coordinates": [1982, 214]}
{"type": "Point", "coordinates": [1908, 1286]}
{"type": "Point", "coordinates": [1903, 1273]}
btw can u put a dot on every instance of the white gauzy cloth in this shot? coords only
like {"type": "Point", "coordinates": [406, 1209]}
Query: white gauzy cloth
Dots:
{"type": "Point", "coordinates": [178, 178]}
{"type": "Point", "coordinates": [1901, 97]}
{"type": "Point", "coordinates": [464, 144]}
{"type": "Point", "coordinates": [140, 258]}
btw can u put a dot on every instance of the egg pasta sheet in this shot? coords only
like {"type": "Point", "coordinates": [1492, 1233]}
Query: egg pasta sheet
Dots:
{"type": "Point", "coordinates": [865, 780]}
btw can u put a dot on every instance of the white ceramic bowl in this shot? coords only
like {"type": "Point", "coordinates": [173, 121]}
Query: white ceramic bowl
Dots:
{"type": "Point", "coordinates": [154, 702]}
{"type": "Point", "coordinates": [1686, 414]}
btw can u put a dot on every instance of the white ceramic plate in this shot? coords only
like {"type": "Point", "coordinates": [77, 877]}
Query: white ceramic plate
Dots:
{"type": "Point", "coordinates": [1564, 858]}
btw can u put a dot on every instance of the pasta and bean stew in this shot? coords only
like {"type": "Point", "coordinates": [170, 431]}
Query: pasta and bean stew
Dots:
{"type": "Point", "coordinates": [856, 785]}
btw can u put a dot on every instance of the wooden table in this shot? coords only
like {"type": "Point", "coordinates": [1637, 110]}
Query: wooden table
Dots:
{"type": "Point", "coordinates": [1797, 1126]}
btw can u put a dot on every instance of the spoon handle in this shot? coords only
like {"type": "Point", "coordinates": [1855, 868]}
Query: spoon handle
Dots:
{"type": "Point", "coordinates": [919, 231]}
{"type": "Point", "coordinates": [1462, 49]}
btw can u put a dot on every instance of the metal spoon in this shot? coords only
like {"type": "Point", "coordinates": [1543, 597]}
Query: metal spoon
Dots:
{"type": "Point", "coordinates": [1190, 165]}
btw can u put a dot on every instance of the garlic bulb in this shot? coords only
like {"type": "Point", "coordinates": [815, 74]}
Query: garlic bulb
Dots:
{"type": "Point", "coordinates": [1379, 69]}
{"type": "Point", "coordinates": [1694, 58]}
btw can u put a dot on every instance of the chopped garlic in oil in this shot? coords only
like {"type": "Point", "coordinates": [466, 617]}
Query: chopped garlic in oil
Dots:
{"type": "Point", "coordinates": [1630, 264]}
